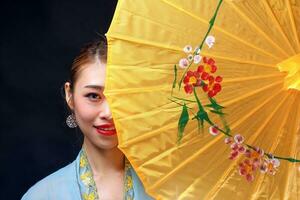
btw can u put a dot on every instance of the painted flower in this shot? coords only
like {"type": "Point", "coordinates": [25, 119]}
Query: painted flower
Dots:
{"type": "Point", "coordinates": [234, 146]}
{"type": "Point", "coordinates": [257, 153]}
{"type": "Point", "coordinates": [255, 159]}
{"type": "Point", "coordinates": [191, 80]}
{"type": "Point", "coordinates": [208, 67]}
{"type": "Point", "coordinates": [190, 57]}
{"type": "Point", "coordinates": [210, 40]}
{"type": "Point", "coordinates": [237, 146]}
{"type": "Point", "coordinates": [239, 139]}
{"type": "Point", "coordinates": [197, 50]}
{"type": "Point", "coordinates": [272, 166]}
{"type": "Point", "coordinates": [246, 169]}
{"type": "Point", "coordinates": [184, 63]}
{"type": "Point", "coordinates": [275, 162]}
{"type": "Point", "coordinates": [263, 167]}
{"type": "Point", "coordinates": [211, 86]}
{"type": "Point", "coordinates": [228, 140]}
{"type": "Point", "coordinates": [233, 155]}
{"type": "Point", "coordinates": [197, 59]}
{"type": "Point", "coordinates": [188, 49]}
{"type": "Point", "coordinates": [213, 130]}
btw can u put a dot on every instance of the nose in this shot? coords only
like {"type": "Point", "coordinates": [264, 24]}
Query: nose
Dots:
{"type": "Point", "coordinates": [105, 112]}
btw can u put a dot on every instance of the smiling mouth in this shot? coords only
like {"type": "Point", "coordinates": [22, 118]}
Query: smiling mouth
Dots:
{"type": "Point", "coordinates": [106, 131]}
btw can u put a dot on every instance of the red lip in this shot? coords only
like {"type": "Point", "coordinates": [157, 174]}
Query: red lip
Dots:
{"type": "Point", "coordinates": [100, 129]}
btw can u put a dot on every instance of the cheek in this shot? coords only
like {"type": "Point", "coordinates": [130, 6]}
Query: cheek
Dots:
{"type": "Point", "coordinates": [85, 111]}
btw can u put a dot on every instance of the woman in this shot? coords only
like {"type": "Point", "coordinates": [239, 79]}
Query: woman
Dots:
{"type": "Point", "coordinates": [101, 170]}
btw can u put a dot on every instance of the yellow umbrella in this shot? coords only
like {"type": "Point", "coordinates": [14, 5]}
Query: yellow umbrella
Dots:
{"type": "Point", "coordinates": [180, 72]}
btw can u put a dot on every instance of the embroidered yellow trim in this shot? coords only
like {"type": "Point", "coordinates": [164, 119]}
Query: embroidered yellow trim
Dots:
{"type": "Point", "coordinates": [90, 196]}
{"type": "Point", "coordinates": [89, 192]}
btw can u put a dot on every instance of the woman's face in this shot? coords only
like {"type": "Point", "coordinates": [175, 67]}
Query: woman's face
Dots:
{"type": "Point", "coordinates": [91, 109]}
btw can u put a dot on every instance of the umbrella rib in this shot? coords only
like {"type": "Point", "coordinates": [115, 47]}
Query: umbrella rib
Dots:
{"type": "Point", "coordinates": [172, 125]}
{"type": "Point", "coordinates": [156, 110]}
{"type": "Point", "coordinates": [149, 134]}
{"type": "Point", "coordinates": [138, 90]}
{"type": "Point", "coordinates": [194, 183]}
{"type": "Point", "coordinates": [174, 48]}
{"type": "Point", "coordinates": [222, 30]}
{"type": "Point", "coordinates": [145, 42]}
{"type": "Point", "coordinates": [237, 123]}
{"type": "Point", "coordinates": [200, 151]}
{"type": "Point", "coordinates": [293, 149]}
{"type": "Point", "coordinates": [239, 61]}
{"type": "Point", "coordinates": [254, 136]}
{"type": "Point", "coordinates": [234, 125]}
{"type": "Point", "coordinates": [234, 80]}
{"type": "Point", "coordinates": [150, 69]}
{"type": "Point", "coordinates": [219, 184]}
{"type": "Point", "coordinates": [258, 29]}
{"type": "Point", "coordinates": [167, 87]}
{"type": "Point", "coordinates": [252, 112]}
{"type": "Point", "coordinates": [195, 155]}
{"type": "Point", "coordinates": [181, 165]}
{"type": "Point", "coordinates": [227, 103]}
{"type": "Point", "coordinates": [160, 45]}
{"type": "Point", "coordinates": [293, 23]}
{"type": "Point", "coordinates": [278, 25]}
{"type": "Point", "coordinates": [193, 139]}
{"type": "Point", "coordinates": [187, 142]}
{"type": "Point", "coordinates": [272, 149]}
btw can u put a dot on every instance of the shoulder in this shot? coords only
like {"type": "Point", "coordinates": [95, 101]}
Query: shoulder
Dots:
{"type": "Point", "coordinates": [51, 187]}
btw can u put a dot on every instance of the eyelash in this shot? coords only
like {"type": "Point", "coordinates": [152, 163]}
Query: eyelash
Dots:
{"type": "Point", "coordinates": [91, 95]}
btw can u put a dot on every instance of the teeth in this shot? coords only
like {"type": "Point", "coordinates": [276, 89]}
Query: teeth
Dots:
{"type": "Point", "coordinates": [107, 129]}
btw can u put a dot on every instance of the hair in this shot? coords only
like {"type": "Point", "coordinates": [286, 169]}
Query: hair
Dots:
{"type": "Point", "coordinates": [90, 52]}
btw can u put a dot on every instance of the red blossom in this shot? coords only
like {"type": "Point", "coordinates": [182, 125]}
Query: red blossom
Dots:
{"type": "Point", "coordinates": [247, 169]}
{"type": "Point", "coordinates": [228, 140]}
{"type": "Point", "coordinates": [191, 80]}
{"type": "Point", "coordinates": [211, 86]}
{"type": "Point", "coordinates": [202, 77]}
{"type": "Point", "coordinates": [209, 65]}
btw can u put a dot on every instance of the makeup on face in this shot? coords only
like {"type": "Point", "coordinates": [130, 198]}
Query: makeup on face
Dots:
{"type": "Point", "coordinates": [92, 111]}
{"type": "Point", "coordinates": [95, 94]}
{"type": "Point", "coordinates": [106, 129]}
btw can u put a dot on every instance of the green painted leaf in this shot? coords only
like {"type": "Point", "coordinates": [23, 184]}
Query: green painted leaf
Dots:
{"type": "Point", "coordinates": [175, 77]}
{"type": "Point", "coordinates": [183, 120]}
{"type": "Point", "coordinates": [217, 112]}
{"type": "Point", "coordinates": [198, 101]}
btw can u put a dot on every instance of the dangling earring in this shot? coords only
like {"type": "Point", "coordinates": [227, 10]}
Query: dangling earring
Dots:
{"type": "Point", "coordinates": [71, 121]}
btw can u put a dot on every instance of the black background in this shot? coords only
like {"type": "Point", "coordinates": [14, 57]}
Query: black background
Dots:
{"type": "Point", "coordinates": [39, 40]}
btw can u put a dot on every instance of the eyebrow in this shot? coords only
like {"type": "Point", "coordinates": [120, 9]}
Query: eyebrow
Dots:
{"type": "Point", "coordinates": [97, 87]}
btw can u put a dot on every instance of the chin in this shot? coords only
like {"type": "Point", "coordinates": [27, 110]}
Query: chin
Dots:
{"type": "Point", "coordinates": [101, 142]}
{"type": "Point", "coordinates": [105, 144]}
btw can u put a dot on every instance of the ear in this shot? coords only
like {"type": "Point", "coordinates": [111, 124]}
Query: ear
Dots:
{"type": "Point", "coordinates": [69, 95]}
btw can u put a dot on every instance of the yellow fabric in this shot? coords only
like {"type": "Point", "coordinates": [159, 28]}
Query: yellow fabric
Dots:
{"type": "Point", "coordinates": [146, 39]}
{"type": "Point", "coordinates": [292, 66]}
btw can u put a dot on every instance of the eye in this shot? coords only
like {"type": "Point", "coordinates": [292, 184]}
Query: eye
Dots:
{"type": "Point", "coordinates": [93, 96]}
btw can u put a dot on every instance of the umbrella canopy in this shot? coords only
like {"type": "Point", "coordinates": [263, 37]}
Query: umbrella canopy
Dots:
{"type": "Point", "coordinates": [180, 72]}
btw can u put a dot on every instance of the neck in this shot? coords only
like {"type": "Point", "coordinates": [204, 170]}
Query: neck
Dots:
{"type": "Point", "coordinates": [104, 161]}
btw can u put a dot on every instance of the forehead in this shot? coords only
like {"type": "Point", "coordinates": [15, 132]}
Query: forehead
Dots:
{"type": "Point", "coordinates": [91, 74]}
